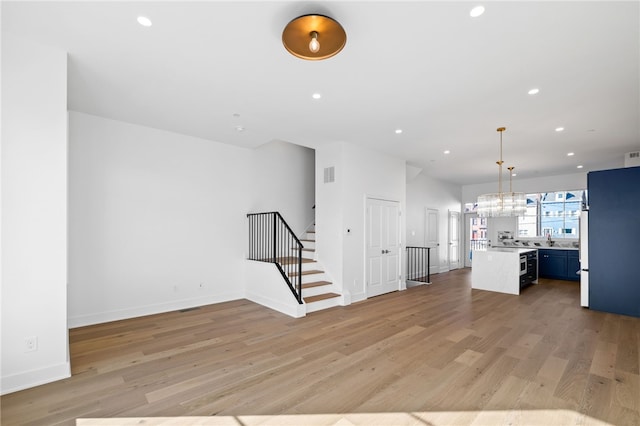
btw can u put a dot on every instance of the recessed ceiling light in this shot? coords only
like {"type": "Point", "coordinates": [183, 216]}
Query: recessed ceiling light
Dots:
{"type": "Point", "coordinates": [239, 129]}
{"type": "Point", "coordinates": [514, 174]}
{"type": "Point", "coordinates": [476, 11]}
{"type": "Point", "coordinates": [570, 154]}
{"type": "Point", "coordinates": [144, 21]}
{"type": "Point", "coordinates": [447, 152]}
{"type": "Point", "coordinates": [398, 131]}
{"type": "Point", "coordinates": [534, 91]}
{"type": "Point", "coordinates": [559, 129]}
{"type": "Point", "coordinates": [316, 96]}
{"type": "Point", "coordinates": [580, 166]}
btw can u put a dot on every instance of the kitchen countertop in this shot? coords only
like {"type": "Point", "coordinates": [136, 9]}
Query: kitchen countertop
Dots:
{"type": "Point", "coordinates": [536, 247]}
{"type": "Point", "coordinates": [517, 250]}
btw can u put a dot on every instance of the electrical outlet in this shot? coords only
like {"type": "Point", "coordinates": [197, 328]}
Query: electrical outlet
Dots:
{"type": "Point", "coordinates": [30, 344]}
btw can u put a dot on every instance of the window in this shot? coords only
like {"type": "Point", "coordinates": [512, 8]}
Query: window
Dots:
{"type": "Point", "coordinates": [552, 213]}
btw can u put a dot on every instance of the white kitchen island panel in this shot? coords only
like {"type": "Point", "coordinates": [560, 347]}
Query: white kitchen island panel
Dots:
{"type": "Point", "coordinates": [497, 270]}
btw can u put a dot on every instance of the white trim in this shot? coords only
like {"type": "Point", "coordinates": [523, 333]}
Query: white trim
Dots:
{"type": "Point", "coordinates": [358, 297]}
{"type": "Point", "coordinates": [449, 239]}
{"type": "Point", "coordinates": [32, 378]}
{"type": "Point", "coordinates": [297, 311]}
{"type": "Point", "coordinates": [435, 266]}
{"type": "Point", "coordinates": [139, 311]}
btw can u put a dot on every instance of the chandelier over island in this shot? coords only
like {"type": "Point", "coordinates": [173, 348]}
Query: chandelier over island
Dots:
{"type": "Point", "coordinates": [502, 204]}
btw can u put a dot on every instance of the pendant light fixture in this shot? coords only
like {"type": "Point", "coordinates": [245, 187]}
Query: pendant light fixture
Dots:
{"type": "Point", "coordinates": [502, 204]}
{"type": "Point", "coordinates": [314, 37]}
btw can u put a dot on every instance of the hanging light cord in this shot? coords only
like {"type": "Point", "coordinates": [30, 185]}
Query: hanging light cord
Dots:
{"type": "Point", "coordinates": [510, 178]}
{"type": "Point", "coordinates": [500, 129]}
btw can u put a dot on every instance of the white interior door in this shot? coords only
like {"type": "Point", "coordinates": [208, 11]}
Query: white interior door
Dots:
{"type": "Point", "coordinates": [382, 247]}
{"type": "Point", "coordinates": [431, 239]}
{"type": "Point", "coordinates": [454, 240]}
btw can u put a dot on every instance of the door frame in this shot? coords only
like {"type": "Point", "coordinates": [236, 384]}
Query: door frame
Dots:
{"type": "Point", "coordinates": [467, 237]}
{"type": "Point", "coordinates": [449, 239]}
{"type": "Point", "coordinates": [434, 268]}
{"type": "Point", "coordinates": [364, 243]}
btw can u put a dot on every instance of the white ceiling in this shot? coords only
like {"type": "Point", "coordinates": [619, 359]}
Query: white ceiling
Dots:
{"type": "Point", "coordinates": [446, 79]}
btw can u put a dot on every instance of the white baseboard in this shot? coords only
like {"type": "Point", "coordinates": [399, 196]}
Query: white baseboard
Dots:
{"type": "Point", "coordinates": [140, 311]}
{"type": "Point", "coordinates": [358, 297]}
{"type": "Point", "coordinates": [32, 378]}
{"type": "Point", "coordinates": [295, 311]}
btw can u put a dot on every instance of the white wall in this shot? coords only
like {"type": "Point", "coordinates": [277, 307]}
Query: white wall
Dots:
{"type": "Point", "coordinates": [540, 184]}
{"type": "Point", "coordinates": [264, 285]}
{"type": "Point", "coordinates": [283, 179]}
{"type": "Point", "coordinates": [426, 192]}
{"type": "Point", "coordinates": [34, 213]}
{"type": "Point", "coordinates": [157, 220]}
{"type": "Point", "coordinates": [367, 174]}
{"type": "Point", "coordinates": [360, 173]}
{"type": "Point", "coordinates": [329, 213]}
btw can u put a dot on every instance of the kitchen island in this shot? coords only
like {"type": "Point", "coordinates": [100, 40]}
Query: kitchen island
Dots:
{"type": "Point", "coordinates": [498, 269]}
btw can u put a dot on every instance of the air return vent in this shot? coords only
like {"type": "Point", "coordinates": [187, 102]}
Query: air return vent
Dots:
{"type": "Point", "coordinates": [329, 174]}
{"type": "Point", "coordinates": [632, 159]}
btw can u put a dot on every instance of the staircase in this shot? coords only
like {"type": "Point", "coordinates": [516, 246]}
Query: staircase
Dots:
{"type": "Point", "coordinates": [271, 240]}
{"type": "Point", "coordinates": [316, 289]}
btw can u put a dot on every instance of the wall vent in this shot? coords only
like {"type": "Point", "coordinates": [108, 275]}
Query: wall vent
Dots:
{"type": "Point", "coordinates": [329, 174]}
{"type": "Point", "coordinates": [632, 159]}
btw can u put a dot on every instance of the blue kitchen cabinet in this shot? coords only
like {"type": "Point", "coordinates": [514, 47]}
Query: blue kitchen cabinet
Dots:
{"type": "Point", "coordinates": [552, 264]}
{"type": "Point", "coordinates": [614, 233]}
{"type": "Point", "coordinates": [558, 264]}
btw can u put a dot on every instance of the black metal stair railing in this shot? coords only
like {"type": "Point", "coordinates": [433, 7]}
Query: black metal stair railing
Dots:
{"type": "Point", "coordinates": [272, 240]}
{"type": "Point", "coordinates": [419, 264]}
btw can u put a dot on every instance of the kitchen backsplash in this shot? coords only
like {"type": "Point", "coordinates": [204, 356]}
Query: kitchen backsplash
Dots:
{"type": "Point", "coordinates": [505, 239]}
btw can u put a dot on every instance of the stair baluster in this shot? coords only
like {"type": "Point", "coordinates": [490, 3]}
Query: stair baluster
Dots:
{"type": "Point", "coordinates": [272, 240]}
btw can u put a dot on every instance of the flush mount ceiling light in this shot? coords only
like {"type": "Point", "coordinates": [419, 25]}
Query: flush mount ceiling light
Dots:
{"type": "Point", "coordinates": [501, 204]}
{"type": "Point", "coordinates": [314, 37]}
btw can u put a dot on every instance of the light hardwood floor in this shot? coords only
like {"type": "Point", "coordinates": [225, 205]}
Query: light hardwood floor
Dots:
{"type": "Point", "coordinates": [433, 355]}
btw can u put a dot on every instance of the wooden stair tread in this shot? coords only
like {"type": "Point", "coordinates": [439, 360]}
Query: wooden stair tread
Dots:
{"type": "Point", "coordinates": [304, 249]}
{"type": "Point", "coordinates": [314, 271]}
{"type": "Point", "coordinates": [319, 297]}
{"type": "Point", "coordinates": [311, 241]}
{"type": "Point", "coordinates": [315, 284]}
{"type": "Point", "coordinates": [292, 260]}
